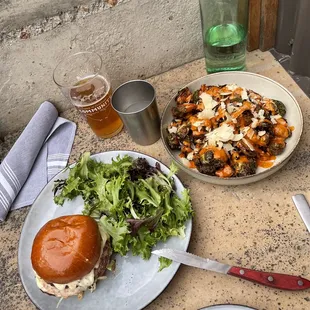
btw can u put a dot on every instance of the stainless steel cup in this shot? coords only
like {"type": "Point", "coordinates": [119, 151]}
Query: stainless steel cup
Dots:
{"type": "Point", "coordinates": [135, 102]}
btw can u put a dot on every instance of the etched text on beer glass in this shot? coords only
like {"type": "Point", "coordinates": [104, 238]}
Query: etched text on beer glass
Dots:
{"type": "Point", "coordinates": [92, 97]}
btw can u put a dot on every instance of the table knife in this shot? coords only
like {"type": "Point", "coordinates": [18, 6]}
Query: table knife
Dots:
{"type": "Point", "coordinates": [275, 280]}
{"type": "Point", "coordinates": [303, 208]}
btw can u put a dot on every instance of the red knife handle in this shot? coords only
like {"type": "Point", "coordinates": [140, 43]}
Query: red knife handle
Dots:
{"type": "Point", "coordinates": [275, 280]}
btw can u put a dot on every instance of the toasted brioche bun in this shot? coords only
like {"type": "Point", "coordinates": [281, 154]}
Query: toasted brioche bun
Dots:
{"type": "Point", "coordinates": [66, 249]}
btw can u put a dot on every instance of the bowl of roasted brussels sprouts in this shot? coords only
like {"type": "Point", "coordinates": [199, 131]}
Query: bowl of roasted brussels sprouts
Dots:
{"type": "Point", "coordinates": [232, 128]}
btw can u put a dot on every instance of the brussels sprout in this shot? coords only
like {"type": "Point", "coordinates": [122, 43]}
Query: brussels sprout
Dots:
{"type": "Point", "coordinates": [246, 148]}
{"type": "Point", "coordinates": [207, 164]}
{"type": "Point", "coordinates": [247, 116]}
{"type": "Point", "coordinates": [243, 165]}
{"type": "Point", "coordinates": [180, 110]}
{"type": "Point", "coordinates": [195, 97]}
{"type": "Point", "coordinates": [236, 99]}
{"type": "Point", "coordinates": [281, 109]}
{"type": "Point", "coordinates": [265, 125]}
{"type": "Point", "coordinates": [183, 131]}
{"type": "Point", "coordinates": [173, 141]}
{"type": "Point", "coordinates": [183, 95]}
{"type": "Point", "coordinates": [245, 168]}
{"type": "Point", "coordinates": [276, 146]}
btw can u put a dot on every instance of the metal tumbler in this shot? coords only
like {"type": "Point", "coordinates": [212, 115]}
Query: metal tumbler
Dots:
{"type": "Point", "coordinates": [135, 102]}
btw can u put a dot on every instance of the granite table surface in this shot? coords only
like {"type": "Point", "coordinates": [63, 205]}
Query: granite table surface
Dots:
{"type": "Point", "coordinates": [254, 226]}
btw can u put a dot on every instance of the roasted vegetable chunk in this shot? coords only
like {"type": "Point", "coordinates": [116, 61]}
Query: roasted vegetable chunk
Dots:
{"type": "Point", "coordinates": [183, 131]}
{"type": "Point", "coordinates": [276, 146]}
{"type": "Point", "coordinates": [225, 172]}
{"type": "Point", "coordinates": [173, 141]}
{"type": "Point", "coordinates": [281, 109]}
{"type": "Point", "coordinates": [184, 95]}
{"type": "Point", "coordinates": [282, 131]}
{"type": "Point", "coordinates": [246, 148]}
{"type": "Point", "coordinates": [265, 125]}
{"type": "Point", "coordinates": [243, 165]}
{"type": "Point", "coordinates": [208, 164]}
{"type": "Point", "coordinates": [195, 97]}
{"type": "Point", "coordinates": [246, 118]}
{"type": "Point", "coordinates": [182, 109]}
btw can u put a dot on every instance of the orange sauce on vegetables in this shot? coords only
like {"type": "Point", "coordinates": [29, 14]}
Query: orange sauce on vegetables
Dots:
{"type": "Point", "coordinates": [191, 164]}
{"type": "Point", "coordinates": [256, 139]}
{"type": "Point", "coordinates": [246, 106]}
{"type": "Point", "coordinates": [264, 164]}
{"type": "Point", "coordinates": [221, 113]}
{"type": "Point", "coordinates": [218, 153]}
{"type": "Point", "coordinates": [281, 131]}
{"type": "Point", "coordinates": [207, 123]}
{"type": "Point", "coordinates": [265, 160]}
{"type": "Point", "coordinates": [213, 91]}
{"type": "Point", "coordinates": [269, 105]}
{"type": "Point", "coordinates": [197, 133]}
{"type": "Point", "coordinates": [186, 149]}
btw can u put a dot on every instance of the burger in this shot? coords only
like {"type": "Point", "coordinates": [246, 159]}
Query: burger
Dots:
{"type": "Point", "coordinates": [69, 254]}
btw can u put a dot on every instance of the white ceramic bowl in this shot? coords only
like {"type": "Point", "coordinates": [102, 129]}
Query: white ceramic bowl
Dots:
{"type": "Point", "coordinates": [262, 85]}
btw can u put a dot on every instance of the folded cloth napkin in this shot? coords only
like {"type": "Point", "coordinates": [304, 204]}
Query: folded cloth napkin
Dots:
{"type": "Point", "coordinates": [41, 151]}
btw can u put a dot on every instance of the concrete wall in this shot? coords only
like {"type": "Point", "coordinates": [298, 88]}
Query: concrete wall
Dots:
{"type": "Point", "coordinates": [136, 38]}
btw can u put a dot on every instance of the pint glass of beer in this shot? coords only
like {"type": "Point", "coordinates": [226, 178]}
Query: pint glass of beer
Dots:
{"type": "Point", "coordinates": [82, 79]}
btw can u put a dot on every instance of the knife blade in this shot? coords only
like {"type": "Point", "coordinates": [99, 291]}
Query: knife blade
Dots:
{"type": "Point", "coordinates": [275, 280]}
{"type": "Point", "coordinates": [303, 208]}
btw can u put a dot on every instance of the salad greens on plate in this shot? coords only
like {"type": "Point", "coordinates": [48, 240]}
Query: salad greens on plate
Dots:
{"type": "Point", "coordinates": [135, 203]}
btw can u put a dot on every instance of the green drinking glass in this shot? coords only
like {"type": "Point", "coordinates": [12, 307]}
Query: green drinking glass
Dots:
{"type": "Point", "coordinates": [224, 30]}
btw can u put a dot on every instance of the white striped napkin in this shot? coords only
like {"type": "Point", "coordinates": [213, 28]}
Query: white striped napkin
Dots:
{"type": "Point", "coordinates": [41, 151]}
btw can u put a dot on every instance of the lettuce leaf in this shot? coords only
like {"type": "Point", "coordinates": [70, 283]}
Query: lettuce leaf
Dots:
{"type": "Point", "coordinates": [118, 231]}
{"type": "Point", "coordinates": [164, 263]}
{"type": "Point", "coordinates": [134, 203]}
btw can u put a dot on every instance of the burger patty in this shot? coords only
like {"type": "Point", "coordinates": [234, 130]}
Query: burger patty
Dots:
{"type": "Point", "coordinates": [104, 260]}
{"type": "Point", "coordinates": [79, 286]}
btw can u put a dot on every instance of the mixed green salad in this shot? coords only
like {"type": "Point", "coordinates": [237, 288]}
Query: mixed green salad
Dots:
{"type": "Point", "coordinates": [135, 203]}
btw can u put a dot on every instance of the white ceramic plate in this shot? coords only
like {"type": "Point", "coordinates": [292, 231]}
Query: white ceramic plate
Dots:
{"type": "Point", "coordinates": [262, 85]}
{"type": "Point", "coordinates": [227, 307]}
{"type": "Point", "coordinates": [134, 284]}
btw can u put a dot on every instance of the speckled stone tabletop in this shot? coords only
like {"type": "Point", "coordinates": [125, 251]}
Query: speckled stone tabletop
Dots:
{"type": "Point", "coordinates": [255, 226]}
